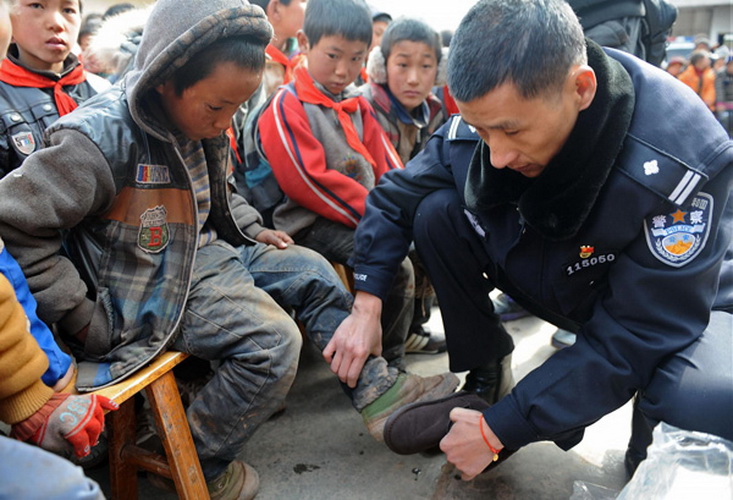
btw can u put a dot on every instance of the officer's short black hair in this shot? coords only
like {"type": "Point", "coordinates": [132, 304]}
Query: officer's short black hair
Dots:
{"type": "Point", "coordinates": [530, 43]}
{"type": "Point", "coordinates": [350, 19]}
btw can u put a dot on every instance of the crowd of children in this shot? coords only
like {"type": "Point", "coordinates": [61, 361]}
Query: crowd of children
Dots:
{"type": "Point", "coordinates": [337, 152]}
{"type": "Point", "coordinates": [271, 162]}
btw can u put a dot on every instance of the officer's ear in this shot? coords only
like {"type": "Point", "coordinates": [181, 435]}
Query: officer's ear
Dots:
{"type": "Point", "coordinates": [582, 80]}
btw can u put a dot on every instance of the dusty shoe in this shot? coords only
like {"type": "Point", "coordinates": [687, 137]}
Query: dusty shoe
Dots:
{"type": "Point", "coordinates": [407, 389]}
{"type": "Point", "coordinates": [420, 426]}
{"type": "Point", "coordinates": [562, 339]}
{"type": "Point", "coordinates": [239, 482]}
{"type": "Point", "coordinates": [424, 341]}
{"type": "Point", "coordinates": [507, 309]}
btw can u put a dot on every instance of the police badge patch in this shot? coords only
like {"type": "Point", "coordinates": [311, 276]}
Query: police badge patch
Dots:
{"type": "Point", "coordinates": [154, 235]}
{"type": "Point", "coordinates": [678, 237]}
{"type": "Point", "coordinates": [24, 142]}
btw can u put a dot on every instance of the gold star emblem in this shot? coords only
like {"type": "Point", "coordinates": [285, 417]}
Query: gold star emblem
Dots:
{"type": "Point", "coordinates": [678, 216]}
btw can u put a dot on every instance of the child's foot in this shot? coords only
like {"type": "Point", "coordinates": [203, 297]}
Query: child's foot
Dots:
{"type": "Point", "coordinates": [408, 388]}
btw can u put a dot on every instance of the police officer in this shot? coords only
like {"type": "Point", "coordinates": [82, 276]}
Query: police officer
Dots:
{"type": "Point", "coordinates": [589, 212]}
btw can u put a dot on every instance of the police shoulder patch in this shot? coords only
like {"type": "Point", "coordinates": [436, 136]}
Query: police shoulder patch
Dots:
{"type": "Point", "coordinates": [676, 238]}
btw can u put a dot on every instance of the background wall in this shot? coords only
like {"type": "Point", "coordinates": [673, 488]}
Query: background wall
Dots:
{"type": "Point", "coordinates": [712, 17]}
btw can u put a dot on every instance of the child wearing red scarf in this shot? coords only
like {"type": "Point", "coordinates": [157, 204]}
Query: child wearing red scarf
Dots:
{"type": "Point", "coordinates": [41, 79]}
{"type": "Point", "coordinates": [403, 69]}
{"type": "Point", "coordinates": [327, 151]}
{"type": "Point", "coordinates": [286, 18]}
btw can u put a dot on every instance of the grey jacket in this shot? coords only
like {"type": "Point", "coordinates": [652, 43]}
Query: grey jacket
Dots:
{"type": "Point", "coordinates": [111, 187]}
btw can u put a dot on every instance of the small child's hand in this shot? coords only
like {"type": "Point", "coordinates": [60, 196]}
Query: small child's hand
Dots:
{"type": "Point", "coordinates": [280, 239]}
{"type": "Point", "coordinates": [65, 422]}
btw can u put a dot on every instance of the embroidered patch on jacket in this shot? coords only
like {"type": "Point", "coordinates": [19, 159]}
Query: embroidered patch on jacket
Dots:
{"type": "Point", "coordinates": [24, 142]}
{"type": "Point", "coordinates": [154, 235]}
{"type": "Point", "coordinates": [153, 174]}
{"type": "Point", "coordinates": [651, 167]}
{"type": "Point", "coordinates": [590, 258]}
{"type": "Point", "coordinates": [678, 237]}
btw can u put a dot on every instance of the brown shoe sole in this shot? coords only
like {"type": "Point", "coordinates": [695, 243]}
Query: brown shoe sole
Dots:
{"type": "Point", "coordinates": [420, 426]}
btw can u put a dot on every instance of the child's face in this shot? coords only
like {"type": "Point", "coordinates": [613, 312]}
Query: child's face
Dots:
{"type": "Point", "coordinates": [5, 29]}
{"type": "Point", "coordinates": [288, 19]}
{"type": "Point", "coordinates": [205, 109]}
{"type": "Point", "coordinates": [334, 61]}
{"type": "Point", "coordinates": [411, 70]}
{"type": "Point", "coordinates": [378, 28]}
{"type": "Point", "coordinates": [45, 31]}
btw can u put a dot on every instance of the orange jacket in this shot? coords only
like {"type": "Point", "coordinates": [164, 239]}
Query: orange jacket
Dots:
{"type": "Point", "coordinates": [705, 89]}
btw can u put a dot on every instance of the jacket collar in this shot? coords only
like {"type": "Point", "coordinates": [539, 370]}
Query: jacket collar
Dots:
{"type": "Point", "coordinates": [558, 201]}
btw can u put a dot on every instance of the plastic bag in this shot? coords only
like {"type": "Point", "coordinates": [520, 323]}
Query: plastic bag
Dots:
{"type": "Point", "coordinates": [590, 491]}
{"type": "Point", "coordinates": [681, 465]}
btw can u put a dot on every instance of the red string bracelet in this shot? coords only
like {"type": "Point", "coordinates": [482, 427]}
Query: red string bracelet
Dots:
{"type": "Point", "coordinates": [483, 435]}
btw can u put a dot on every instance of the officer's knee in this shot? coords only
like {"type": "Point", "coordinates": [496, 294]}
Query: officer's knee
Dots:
{"type": "Point", "coordinates": [436, 215]}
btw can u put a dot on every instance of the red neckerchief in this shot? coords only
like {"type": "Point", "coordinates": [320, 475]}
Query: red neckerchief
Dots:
{"type": "Point", "coordinates": [19, 76]}
{"type": "Point", "coordinates": [307, 92]}
{"type": "Point", "coordinates": [450, 103]}
{"type": "Point", "coordinates": [279, 57]}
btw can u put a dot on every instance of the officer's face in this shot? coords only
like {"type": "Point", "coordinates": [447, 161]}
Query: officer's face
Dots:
{"type": "Point", "coordinates": [205, 110]}
{"type": "Point", "coordinates": [525, 134]}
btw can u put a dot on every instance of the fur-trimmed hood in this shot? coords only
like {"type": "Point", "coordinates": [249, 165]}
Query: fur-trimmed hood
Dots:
{"type": "Point", "coordinates": [115, 42]}
{"type": "Point", "coordinates": [377, 67]}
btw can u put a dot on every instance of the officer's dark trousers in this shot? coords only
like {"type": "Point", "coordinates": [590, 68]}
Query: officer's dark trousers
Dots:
{"type": "Point", "coordinates": [692, 390]}
{"type": "Point", "coordinates": [456, 263]}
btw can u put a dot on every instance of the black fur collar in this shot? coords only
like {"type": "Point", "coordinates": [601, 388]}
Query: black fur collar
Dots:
{"type": "Point", "coordinates": [557, 202]}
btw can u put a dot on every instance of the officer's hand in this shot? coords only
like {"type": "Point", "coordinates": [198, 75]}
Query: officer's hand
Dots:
{"type": "Point", "coordinates": [358, 336]}
{"type": "Point", "coordinates": [464, 446]}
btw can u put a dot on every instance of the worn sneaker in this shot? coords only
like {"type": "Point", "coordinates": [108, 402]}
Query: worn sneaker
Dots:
{"type": "Point", "coordinates": [423, 341]}
{"type": "Point", "coordinates": [239, 482]}
{"type": "Point", "coordinates": [407, 389]}
{"type": "Point", "coordinates": [562, 339]}
{"type": "Point", "coordinates": [507, 309]}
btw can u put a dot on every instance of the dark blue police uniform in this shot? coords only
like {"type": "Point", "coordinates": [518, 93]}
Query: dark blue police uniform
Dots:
{"type": "Point", "coordinates": [624, 238]}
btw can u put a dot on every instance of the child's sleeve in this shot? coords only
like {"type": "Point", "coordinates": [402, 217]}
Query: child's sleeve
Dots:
{"type": "Point", "coordinates": [377, 142]}
{"type": "Point", "coordinates": [59, 362]}
{"type": "Point", "coordinates": [22, 392]}
{"type": "Point", "coordinates": [298, 161]}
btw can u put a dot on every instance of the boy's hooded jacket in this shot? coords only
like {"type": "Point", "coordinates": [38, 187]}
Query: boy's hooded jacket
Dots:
{"type": "Point", "coordinates": [112, 188]}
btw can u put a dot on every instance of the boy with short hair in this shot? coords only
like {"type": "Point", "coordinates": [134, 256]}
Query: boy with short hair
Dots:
{"type": "Point", "coordinates": [163, 254]}
{"type": "Point", "coordinates": [403, 70]}
{"type": "Point", "coordinates": [286, 18]}
{"type": "Point", "coordinates": [41, 79]}
{"type": "Point", "coordinates": [327, 151]}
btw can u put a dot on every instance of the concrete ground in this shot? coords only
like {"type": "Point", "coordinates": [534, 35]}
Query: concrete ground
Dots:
{"type": "Point", "coordinates": [319, 448]}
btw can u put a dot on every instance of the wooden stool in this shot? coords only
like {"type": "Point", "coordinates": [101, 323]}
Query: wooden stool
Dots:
{"type": "Point", "coordinates": [346, 274]}
{"type": "Point", "coordinates": [125, 458]}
